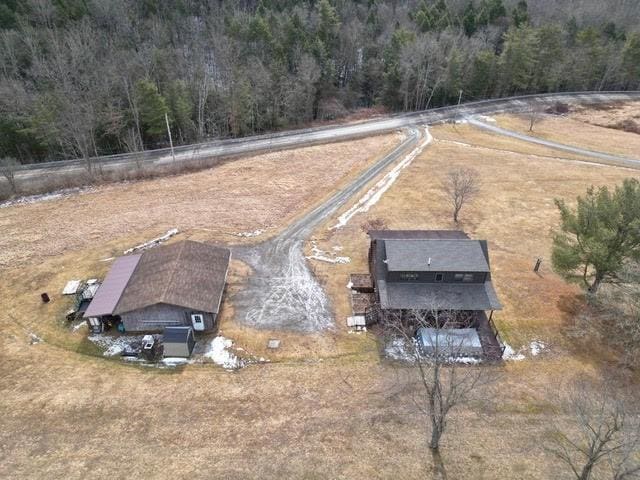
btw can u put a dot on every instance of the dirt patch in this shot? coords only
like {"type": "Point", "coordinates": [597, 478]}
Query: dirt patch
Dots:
{"type": "Point", "coordinates": [616, 115]}
{"type": "Point", "coordinates": [258, 193]}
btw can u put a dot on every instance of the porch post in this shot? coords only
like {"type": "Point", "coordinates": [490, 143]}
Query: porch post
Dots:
{"type": "Point", "coordinates": [491, 315]}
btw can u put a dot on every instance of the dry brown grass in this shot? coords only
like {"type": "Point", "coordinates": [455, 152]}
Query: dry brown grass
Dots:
{"type": "Point", "coordinates": [515, 212]}
{"type": "Point", "coordinates": [610, 116]}
{"type": "Point", "coordinates": [261, 192]}
{"type": "Point", "coordinates": [328, 408]}
{"type": "Point", "coordinates": [575, 132]}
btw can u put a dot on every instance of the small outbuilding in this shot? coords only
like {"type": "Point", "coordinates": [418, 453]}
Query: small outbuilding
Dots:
{"type": "Point", "coordinates": [178, 341]}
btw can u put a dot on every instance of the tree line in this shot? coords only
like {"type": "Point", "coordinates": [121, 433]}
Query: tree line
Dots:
{"type": "Point", "coordinates": [80, 78]}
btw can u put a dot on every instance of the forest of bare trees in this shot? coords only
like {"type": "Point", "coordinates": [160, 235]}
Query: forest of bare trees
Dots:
{"type": "Point", "coordinates": [80, 78]}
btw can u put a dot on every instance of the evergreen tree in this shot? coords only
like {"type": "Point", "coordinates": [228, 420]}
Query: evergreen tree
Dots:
{"type": "Point", "coordinates": [599, 236]}
{"type": "Point", "coordinates": [153, 108]}
{"type": "Point", "coordinates": [520, 13]}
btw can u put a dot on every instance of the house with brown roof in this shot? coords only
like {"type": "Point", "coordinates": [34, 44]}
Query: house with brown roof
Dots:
{"type": "Point", "coordinates": [174, 285]}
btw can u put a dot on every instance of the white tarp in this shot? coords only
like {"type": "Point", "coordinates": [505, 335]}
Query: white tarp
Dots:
{"type": "Point", "coordinates": [71, 287]}
{"type": "Point", "coordinates": [356, 321]}
{"type": "Point", "coordinates": [450, 341]}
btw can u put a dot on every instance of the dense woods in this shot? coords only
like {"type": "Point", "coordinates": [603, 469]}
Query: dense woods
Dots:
{"type": "Point", "coordinates": [85, 77]}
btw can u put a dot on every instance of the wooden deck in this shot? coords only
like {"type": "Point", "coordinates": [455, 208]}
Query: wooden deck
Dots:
{"type": "Point", "coordinates": [360, 302]}
{"type": "Point", "coordinates": [361, 282]}
{"type": "Point", "coordinates": [489, 338]}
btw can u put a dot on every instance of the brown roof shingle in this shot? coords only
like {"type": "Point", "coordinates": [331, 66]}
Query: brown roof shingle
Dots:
{"type": "Point", "coordinates": [188, 274]}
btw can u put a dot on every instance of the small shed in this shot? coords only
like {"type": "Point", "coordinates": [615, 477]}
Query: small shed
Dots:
{"type": "Point", "coordinates": [178, 341]}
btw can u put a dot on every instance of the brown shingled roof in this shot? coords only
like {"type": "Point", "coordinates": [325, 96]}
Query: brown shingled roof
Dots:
{"type": "Point", "coordinates": [188, 274]}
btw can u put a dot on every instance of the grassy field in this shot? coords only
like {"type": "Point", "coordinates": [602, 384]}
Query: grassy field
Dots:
{"type": "Point", "coordinates": [262, 192]}
{"type": "Point", "coordinates": [576, 131]}
{"type": "Point", "coordinates": [326, 406]}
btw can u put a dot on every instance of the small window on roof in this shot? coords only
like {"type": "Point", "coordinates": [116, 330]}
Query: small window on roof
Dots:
{"type": "Point", "coordinates": [458, 277]}
{"type": "Point", "coordinates": [439, 277]}
{"type": "Point", "coordinates": [468, 277]}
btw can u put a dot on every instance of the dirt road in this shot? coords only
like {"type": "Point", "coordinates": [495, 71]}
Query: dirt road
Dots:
{"type": "Point", "coordinates": [282, 292]}
{"type": "Point", "coordinates": [296, 138]}
{"type": "Point", "coordinates": [606, 158]}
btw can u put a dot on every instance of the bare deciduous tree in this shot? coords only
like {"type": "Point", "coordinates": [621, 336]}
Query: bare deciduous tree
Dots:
{"type": "Point", "coordinates": [373, 224]}
{"type": "Point", "coordinates": [8, 168]}
{"type": "Point", "coordinates": [461, 185]}
{"type": "Point", "coordinates": [438, 357]}
{"type": "Point", "coordinates": [606, 438]}
{"type": "Point", "coordinates": [535, 112]}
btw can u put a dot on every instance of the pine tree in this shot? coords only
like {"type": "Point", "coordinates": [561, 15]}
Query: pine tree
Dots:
{"type": "Point", "coordinates": [599, 236]}
{"type": "Point", "coordinates": [153, 108]}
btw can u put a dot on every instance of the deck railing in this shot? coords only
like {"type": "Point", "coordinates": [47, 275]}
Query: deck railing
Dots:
{"type": "Point", "coordinates": [495, 332]}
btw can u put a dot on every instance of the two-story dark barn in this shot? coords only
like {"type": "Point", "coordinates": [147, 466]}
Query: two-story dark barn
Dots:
{"type": "Point", "coordinates": [434, 270]}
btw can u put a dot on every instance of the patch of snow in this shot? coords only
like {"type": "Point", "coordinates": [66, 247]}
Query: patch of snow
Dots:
{"type": "Point", "coordinates": [350, 285]}
{"type": "Point", "coordinates": [464, 360]}
{"type": "Point", "coordinates": [113, 345]}
{"type": "Point", "coordinates": [173, 361]}
{"type": "Point", "coordinates": [375, 193]}
{"type": "Point", "coordinates": [461, 122]}
{"type": "Point", "coordinates": [107, 259]}
{"type": "Point", "coordinates": [34, 339]}
{"type": "Point", "coordinates": [536, 347]}
{"type": "Point", "coordinates": [486, 118]}
{"type": "Point", "coordinates": [511, 355]}
{"type": "Point", "coordinates": [154, 242]}
{"type": "Point", "coordinates": [255, 233]}
{"type": "Point", "coordinates": [45, 197]}
{"type": "Point", "coordinates": [218, 353]}
{"type": "Point", "coordinates": [396, 349]}
{"type": "Point", "coordinates": [77, 327]}
{"type": "Point", "coordinates": [323, 256]}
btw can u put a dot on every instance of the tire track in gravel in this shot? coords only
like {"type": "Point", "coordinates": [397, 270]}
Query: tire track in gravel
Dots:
{"type": "Point", "coordinates": [282, 291]}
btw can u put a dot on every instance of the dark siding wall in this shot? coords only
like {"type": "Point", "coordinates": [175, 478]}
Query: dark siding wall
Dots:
{"type": "Point", "coordinates": [156, 317]}
{"type": "Point", "coordinates": [429, 277]}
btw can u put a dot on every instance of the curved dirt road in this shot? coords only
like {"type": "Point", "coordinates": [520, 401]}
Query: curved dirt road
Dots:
{"type": "Point", "coordinates": [607, 158]}
{"type": "Point", "coordinates": [282, 292]}
{"type": "Point", "coordinates": [220, 149]}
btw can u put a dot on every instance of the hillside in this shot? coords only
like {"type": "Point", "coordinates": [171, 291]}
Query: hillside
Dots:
{"type": "Point", "coordinates": [83, 78]}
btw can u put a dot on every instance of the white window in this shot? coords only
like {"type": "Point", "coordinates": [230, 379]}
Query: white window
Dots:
{"type": "Point", "coordinates": [468, 277]}
{"type": "Point", "coordinates": [458, 277]}
{"type": "Point", "coordinates": [197, 320]}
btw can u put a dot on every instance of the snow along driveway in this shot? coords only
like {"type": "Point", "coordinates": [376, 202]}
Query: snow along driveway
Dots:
{"type": "Point", "coordinates": [282, 292]}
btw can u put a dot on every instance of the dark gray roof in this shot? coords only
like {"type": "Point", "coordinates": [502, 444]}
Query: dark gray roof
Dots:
{"type": "Point", "coordinates": [187, 274]}
{"type": "Point", "coordinates": [176, 334]}
{"type": "Point", "coordinates": [435, 255]}
{"type": "Point", "coordinates": [439, 296]}
{"type": "Point", "coordinates": [417, 234]}
{"type": "Point", "coordinates": [106, 298]}
{"type": "Point", "coordinates": [446, 296]}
